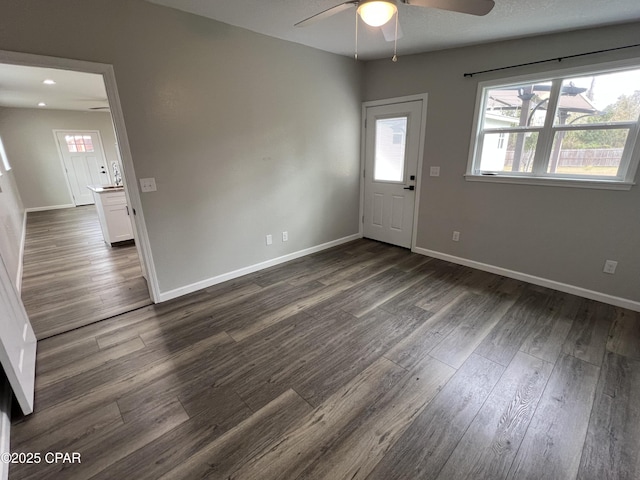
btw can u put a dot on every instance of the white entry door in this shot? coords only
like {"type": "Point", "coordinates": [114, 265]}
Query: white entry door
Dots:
{"type": "Point", "coordinates": [84, 163]}
{"type": "Point", "coordinates": [392, 147]}
{"type": "Point", "coordinates": [17, 343]}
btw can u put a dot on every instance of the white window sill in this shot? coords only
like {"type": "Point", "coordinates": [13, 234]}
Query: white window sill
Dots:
{"type": "Point", "coordinates": [555, 182]}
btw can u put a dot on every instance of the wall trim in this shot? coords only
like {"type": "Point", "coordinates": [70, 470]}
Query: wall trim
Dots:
{"type": "Point", "coordinates": [194, 287]}
{"type": "Point", "coordinates": [49, 207]}
{"type": "Point", "coordinates": [525, 277]}
{"type": "Point", "coordinates": [5, 425]}
{"type": "Point", "coordinates": [23, 240]}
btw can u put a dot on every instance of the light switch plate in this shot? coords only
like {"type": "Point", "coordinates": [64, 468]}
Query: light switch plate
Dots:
{"type": "Point", "coordinates": [148, 184]}
{"type": "Point", "coordinates": [434, 171]}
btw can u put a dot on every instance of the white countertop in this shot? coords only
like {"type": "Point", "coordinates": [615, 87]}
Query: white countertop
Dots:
{"type": "Point", "coordinates": [105, 188]}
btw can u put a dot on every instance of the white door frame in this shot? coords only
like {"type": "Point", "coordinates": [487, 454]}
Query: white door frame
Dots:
{"type": "Point", "coordinates": [128, 172]}
{"type": "Point", "coordinates": [390, 101]}
{"type": "Point", "coordinates": [61, 154]}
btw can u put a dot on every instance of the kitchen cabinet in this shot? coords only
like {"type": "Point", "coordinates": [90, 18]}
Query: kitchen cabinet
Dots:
{"type": "Point", "coordinates": [111, 204]}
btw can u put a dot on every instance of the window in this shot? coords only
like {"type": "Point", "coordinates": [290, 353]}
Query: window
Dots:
{"type": "Point", "coordinates": [390, 149]}
{"type": "Point", "coordinates": [5, 159]}
{"type": "Point", "coordinates": [79, 143]}
{"type": "Point", "coordinates": [577, 127]}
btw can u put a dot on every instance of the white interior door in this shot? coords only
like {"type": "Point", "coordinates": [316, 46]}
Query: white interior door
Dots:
{"type": "Point", "coordinates": [84, 163]}
{"type": "Point", "coordinates": [392, 146]}
{"type": "Point", "coordinates": [17, 343]}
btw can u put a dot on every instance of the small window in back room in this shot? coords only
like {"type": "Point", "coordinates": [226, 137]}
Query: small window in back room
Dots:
{"type": "Point", "coordinates": [79, 143]}
{"type": "Point", "coordinates": [5, 159]}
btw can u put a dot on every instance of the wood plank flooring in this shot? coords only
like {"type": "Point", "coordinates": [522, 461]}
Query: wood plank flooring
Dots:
{"type": "Point", "coordinates": [71, 277]}
{"type": "Point", "coordinates": [360, 362]}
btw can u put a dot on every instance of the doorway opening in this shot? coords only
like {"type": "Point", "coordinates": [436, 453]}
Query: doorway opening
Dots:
{"type": "Point", "coordinates": [69, 275]}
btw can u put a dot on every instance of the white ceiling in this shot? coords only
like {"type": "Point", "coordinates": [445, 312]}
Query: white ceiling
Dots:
{"type": "Point", "coordinates": [22, 87]}
{"type": "Point", "coordinates": [425, 29]}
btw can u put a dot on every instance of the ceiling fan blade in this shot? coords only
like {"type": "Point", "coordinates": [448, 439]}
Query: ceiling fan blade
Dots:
{"type": "Point", "coordinates": [472, 7]}
{"type": "Point", "coordinates": [326, 13]}
{"type": "Point", "coordinates": [389, 31]}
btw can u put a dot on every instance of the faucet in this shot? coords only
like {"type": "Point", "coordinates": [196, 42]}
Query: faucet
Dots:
{"type": "Point", "coordinates": [116, 173]}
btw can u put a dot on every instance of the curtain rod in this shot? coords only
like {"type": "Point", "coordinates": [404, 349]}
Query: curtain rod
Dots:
{"type": "Point", "coordinates": [556, 59]}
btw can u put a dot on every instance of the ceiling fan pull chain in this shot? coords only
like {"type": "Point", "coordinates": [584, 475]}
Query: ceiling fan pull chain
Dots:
{"type": "Point", "coordinates": [356, 54]}
{"type": "Point", "coordinates": [395, 42]}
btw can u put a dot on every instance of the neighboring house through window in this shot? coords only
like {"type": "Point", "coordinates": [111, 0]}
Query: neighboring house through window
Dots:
{"type": "Point", "coordinates": [574, 127]}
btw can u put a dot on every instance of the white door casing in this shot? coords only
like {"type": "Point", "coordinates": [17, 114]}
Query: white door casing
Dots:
{"type": "Point", "coordinates": [392, 147]}
{"type": "Point", "coordinates": [84, 164]}
{"type": "Point", "coordinates": [17, 343]}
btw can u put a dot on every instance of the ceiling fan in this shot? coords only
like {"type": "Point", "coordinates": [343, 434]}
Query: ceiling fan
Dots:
{"type": "Point", "coordinates": [378, 13]}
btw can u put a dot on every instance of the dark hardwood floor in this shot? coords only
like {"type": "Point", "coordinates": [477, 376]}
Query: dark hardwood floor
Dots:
{"type": "Point", "coordinates": [361, 362]}
{"type": "Point", "coordinates": [71, 277]}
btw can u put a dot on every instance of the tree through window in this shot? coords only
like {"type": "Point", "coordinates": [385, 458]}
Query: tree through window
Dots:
{"type": "Point", "coordinates": [571, 127]}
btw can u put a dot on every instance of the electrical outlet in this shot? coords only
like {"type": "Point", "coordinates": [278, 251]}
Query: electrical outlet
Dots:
{"type": "Point", "coordinates": [285, 236]}
{"type": "Point", "coordinates": [434, 171]}
{"type": "Point", "coordinates": [148, 184]}
{"type": "Point", "coordinates": [269, 239]}
{"type": "Point", "coordinates": [456, 236]}
{"type": "Point", "coordinates": [610, 267]}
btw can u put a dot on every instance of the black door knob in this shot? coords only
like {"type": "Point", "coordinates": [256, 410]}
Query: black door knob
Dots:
{"type": "Point", "coordinates": [410, 188]}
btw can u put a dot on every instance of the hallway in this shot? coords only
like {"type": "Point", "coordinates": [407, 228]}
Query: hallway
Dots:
{"type": "Point", "coordinates": [71, 277]}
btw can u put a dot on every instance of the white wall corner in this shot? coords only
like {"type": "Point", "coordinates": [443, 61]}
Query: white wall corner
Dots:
{"type": "Point", "coordinates": [5, 425]}
{"type": "Point", "coordinates": [23, 239]}
{"type": "Point", "coordinates": [209, 282]}
{"type": "Point", "coordinates": [542, 282]}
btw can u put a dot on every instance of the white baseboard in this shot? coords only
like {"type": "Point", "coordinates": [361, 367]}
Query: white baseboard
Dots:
{"type": "Point", "coordinates": [543, 282]}
{"type": "Point", "coordinates": [50, 207]}
{"type": "Point", "coordinates": [194, 287]}
{"type": "Point", "coordinates": [5, 425]}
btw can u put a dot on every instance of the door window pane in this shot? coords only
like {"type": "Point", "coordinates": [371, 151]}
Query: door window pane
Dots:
{"type": "Point", "coordinates": [79, 143]}
{"type": "Point", "coordinates": [389, 160]}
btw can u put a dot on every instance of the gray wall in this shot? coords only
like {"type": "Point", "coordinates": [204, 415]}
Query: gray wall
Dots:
{"type": "Point", "coordinates": [561, 234]}
{"type": "Point", "coordinates": [31, 146]}
{"type": "Point", "coordinates": [245, 134]}
{"type": "Point", "coordinates": [248, 135]}
{"type": "Point", "coordinates": [11, 223]}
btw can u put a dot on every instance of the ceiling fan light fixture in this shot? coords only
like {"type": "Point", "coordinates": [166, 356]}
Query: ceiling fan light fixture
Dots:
{"type": "Point", "coordinates": [376, 13]}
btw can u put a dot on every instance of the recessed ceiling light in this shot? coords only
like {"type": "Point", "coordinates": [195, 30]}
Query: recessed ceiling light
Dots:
{"type": "Point", "coordinates": [42, 104]}
{"type": "Point", "coordinates": [48, 81]}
